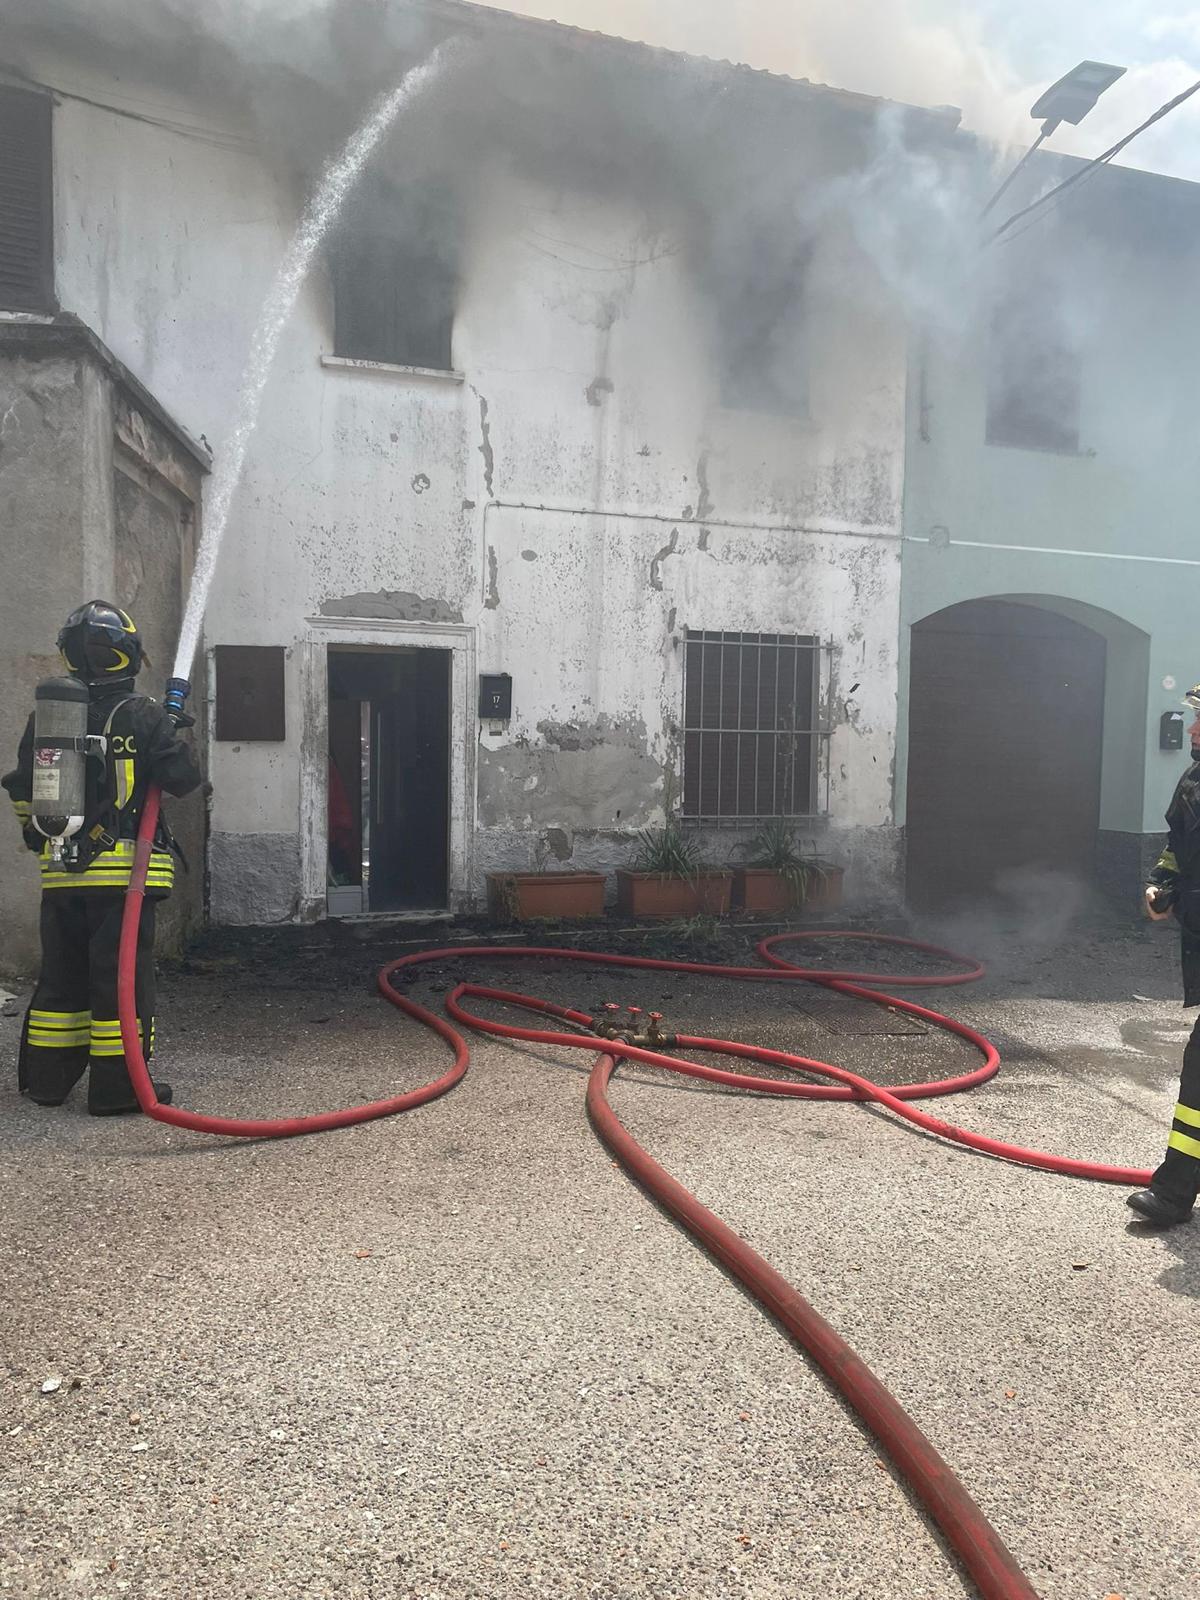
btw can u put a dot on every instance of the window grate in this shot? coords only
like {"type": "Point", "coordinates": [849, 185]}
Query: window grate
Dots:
{"type": "Point", "coordinates": [751, 726]}
{"type": "Point", "coordinates": [26, 210]}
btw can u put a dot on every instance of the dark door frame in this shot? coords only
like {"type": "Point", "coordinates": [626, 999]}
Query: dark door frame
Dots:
{"type": "Point", "coordinates": [376, 633]}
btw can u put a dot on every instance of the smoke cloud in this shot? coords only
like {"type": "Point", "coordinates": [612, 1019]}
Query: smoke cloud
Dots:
{"type": "Point", "coordinates": [902, 50]}
{"type": "Point", "coordinates": [889, 48]}
{"type": "Point", "coordinates": [751, 175]}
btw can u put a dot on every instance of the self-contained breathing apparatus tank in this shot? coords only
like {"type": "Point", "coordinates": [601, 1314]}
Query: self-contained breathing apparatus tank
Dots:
{"type": "Point", "coordinates": [61, 746]}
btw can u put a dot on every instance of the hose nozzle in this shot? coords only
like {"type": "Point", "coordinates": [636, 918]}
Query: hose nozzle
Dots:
{"type": "Point", "coordinates": [175, 699]}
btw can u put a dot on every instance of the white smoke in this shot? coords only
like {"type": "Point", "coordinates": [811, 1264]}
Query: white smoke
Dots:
{"type": "Point", "coordinates": [901, 50]}
{"type": "Point", "coordinates": [918, 52]}
{"type": "Point", "coordinates": [889, 48]}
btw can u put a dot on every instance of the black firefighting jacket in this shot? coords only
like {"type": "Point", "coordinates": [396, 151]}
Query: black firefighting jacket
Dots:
{"type": "Point", "coordinates": [1177, 872]}
{"type": "Point", "coordinates": [142, 748]}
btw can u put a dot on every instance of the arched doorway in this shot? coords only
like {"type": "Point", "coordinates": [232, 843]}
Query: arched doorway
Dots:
{"type": "Point", "coordinates": [1006, 731]}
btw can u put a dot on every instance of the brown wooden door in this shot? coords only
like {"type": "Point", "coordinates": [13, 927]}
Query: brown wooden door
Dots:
{"type": "Point", "coordinates": [1006, 720]}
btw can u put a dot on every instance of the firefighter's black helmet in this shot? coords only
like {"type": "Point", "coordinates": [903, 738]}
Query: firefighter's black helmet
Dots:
{"type": "Point", "coordinates": [100, 643]}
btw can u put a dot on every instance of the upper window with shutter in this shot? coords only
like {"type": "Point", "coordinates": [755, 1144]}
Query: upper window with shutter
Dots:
{"type": "Point", "coordinates": [1034, 372]}
{"type": "Point", "coordinates": [26, 210]}
{"type": "Point", "coordinates": [395, 275]}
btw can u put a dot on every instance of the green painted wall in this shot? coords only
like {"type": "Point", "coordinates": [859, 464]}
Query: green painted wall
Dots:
{"type": "Point", "coordinates": [1109, 535]}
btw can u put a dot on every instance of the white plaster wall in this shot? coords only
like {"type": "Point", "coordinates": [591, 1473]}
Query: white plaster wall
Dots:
{"type": "Point", "coordinates": [618, 652]}
{"type": "Point", "coordinates": [586, 347]}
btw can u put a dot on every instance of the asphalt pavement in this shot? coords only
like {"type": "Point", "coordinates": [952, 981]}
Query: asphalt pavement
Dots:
{"type": "Point", "coordinates": [457, 1355]}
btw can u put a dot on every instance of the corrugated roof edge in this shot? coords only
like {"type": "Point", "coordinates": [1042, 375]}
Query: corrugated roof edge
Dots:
{"type": "Point", "coordinates": [935, 119]}
{"type": "Point", "coordinates": [946, 118]}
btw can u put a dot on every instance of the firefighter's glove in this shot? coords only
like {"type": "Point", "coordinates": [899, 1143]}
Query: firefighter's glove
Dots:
{"type": "Point", "coordinates": [1160, 903]}
{"type": "Point", "coordinates": [33, 839]}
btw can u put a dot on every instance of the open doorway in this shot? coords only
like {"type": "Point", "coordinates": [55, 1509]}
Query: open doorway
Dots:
{"type": "Point", "coordinates": [389, 779]}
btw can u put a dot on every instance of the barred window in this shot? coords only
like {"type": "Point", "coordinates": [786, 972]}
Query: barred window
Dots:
{"type": "Point", "coordinates": [750, 725]}
{"type": "Point", "coordinates": [26, 194]}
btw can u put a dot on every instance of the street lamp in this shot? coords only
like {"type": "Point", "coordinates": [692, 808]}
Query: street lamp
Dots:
{"type": "Point", "coordinates": [1072, 97]}
{"type": "Point", "coordinates": [1068, 100]}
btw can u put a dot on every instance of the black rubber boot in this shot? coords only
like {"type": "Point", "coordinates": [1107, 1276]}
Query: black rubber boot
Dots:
{"type": "Point", "coordinates": [51, 1086]}
{"type": "Point", "coordinates": [162, 1090]}
{"type": "Point", "coordinates": [1156, 1208]}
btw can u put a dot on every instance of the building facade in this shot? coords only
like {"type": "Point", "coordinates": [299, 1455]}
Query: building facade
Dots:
{"type": "Point", "coordinates": [1051, 559]}
{"type": "Point", "coordinates": [604, 470]}
{"type": "Point", "coordinates": [603, 427]}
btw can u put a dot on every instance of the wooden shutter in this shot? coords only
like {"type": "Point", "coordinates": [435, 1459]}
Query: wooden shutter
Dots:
{"type": "Point", "coordinates": [250, 692]}
{"type": "Point", "coordinates": [26, 211]}
{"type": "Point", "coordinates": [1006, 728]}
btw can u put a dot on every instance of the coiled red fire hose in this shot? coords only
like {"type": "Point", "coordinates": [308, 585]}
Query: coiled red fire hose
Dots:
{"type": "Point", "coordinates": [961, 1521]}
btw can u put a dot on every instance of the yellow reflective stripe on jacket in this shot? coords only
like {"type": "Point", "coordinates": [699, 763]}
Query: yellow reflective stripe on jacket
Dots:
{"type": "Point", "coordinates": [109, 870]}
{"type": "Point", "coordinates": [163, 878]}
{"type": "Point", "coordinates": [123, 772]}
{"type": "Point", "coordinates": [121, 850]}
{"type": "Point", "coordinates": [23, 808]}
{"type": "Point", "coordinates": [1167, 862]}
{"type": "Point", "coordinates": [1186, 1114]}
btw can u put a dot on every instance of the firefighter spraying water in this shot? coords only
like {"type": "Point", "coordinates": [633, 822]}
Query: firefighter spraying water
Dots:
{"type": "Point", "coordinates": [96, 753]}
{"type": "Point", "coordinates": [91, 749]}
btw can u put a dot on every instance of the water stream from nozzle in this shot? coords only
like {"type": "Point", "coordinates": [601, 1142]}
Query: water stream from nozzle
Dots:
{"type": "Point", "coordinates": [321, 211]}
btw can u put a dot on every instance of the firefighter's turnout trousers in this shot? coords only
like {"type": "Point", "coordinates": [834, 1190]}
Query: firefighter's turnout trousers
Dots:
{"type": "Point", "coordinates": [72, 1025]}
{"type": "Point", "coordinates": [1178, 1178]}
{"type": "Point", "coordinates": [1177, 874]}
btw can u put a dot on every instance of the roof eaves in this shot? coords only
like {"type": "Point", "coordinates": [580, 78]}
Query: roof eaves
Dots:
{"type": "Point", "coordinates": [486, 16]}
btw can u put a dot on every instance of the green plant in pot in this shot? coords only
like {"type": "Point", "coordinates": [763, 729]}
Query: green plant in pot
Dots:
{"type": "Point", "coordinates": [783, 874]}
{"type": "Point", "coordinates": [669, 877]}
{"type": "Point", "coordinates": [668, 851]}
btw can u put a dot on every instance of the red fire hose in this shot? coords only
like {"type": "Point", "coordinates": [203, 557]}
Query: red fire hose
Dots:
{"type": "Point", "coordinates": [961, 1521]}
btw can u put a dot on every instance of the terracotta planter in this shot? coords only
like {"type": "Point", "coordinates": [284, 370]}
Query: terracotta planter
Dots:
{"type": "Point", "coordinates": [653, 894]}
{"type": "Point", "coordinates": [524, 896]}
{"type": "Point", "coordinates": [764, 890]}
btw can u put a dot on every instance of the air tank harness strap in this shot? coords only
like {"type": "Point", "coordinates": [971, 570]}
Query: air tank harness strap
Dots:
{"type": "Point", "coordinates": [98, 836]}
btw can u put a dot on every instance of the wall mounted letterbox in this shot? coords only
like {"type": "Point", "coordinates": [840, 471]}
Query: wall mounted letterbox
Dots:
{"type": "Point", "coordinates": [1170, 730]}
{"type": "Point", "coordinates": [495, 696]}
